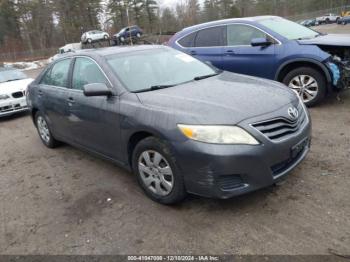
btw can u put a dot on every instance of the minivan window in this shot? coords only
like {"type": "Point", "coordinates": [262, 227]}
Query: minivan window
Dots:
{"type": "Point", "coordinates": [209, 37]}
{"type": "Point", "coordinates": [239, 34]}
{"type": "Point", "coordinates": [58, 75]}
{"type": "Point", "coordinates": [86, 72]}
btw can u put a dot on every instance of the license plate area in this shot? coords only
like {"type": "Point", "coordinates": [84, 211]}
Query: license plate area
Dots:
{"type": "Point", "coordinates": [298, 148]}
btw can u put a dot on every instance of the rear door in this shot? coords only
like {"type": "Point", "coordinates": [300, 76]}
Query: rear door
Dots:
{"type": "Point", "coordinates": [208, 45]}
{"type": "Point", "coordinates": [240, 56]}
{"type": "Point", "coordinates": [53, 92]}
{"type": "Point", "coordinates": [93, 121]}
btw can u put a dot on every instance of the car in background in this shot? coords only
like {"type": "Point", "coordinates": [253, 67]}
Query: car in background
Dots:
{"type": "Point", "coordinates": [344, 20]}
{"type": "Point", "coordinates": [93, 36]}
{"type": "Point", "coordinates": [310, 63]}
{"type": "Point", "coordinates": [65, 49]}
{"type": "Point", "coordinates": [126, 33]}
{"type": "Point", "coordinates": [13, 86]}
{"type": "Point", "coordinates": [180, 125]}
{"type": "Point", "coordinates": [328, 19]}
{"type": "Point", "coordinates": [309, 22]}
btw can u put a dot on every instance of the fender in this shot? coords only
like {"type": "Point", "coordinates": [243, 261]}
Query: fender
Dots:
{"type": "Point", "coordinates": [307, 60]}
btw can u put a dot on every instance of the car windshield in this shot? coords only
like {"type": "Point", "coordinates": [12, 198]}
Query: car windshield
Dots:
{"type": "Point", "coordinates": [158, 68]}
{"type": "Point", "coordinates": [11, 75]}
{"type": "Point", "coordinates": [289, 29]}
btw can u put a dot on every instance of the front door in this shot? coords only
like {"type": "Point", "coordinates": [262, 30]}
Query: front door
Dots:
{"type": "Point", "coordinates": [94, 121]}
{"type": "Point", "coordinates": [239, 56]}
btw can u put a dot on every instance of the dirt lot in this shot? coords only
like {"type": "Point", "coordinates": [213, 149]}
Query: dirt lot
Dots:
{"type": "Point", "coordinates": [65, 201]}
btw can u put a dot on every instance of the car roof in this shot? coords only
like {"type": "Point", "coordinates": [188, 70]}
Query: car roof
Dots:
{"type": "Point", "coordinates": [112, 50]}
{"type": "Point", "coordinates": [230, 20]}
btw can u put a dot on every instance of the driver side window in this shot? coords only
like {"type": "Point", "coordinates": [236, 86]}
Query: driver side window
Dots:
{"type": "Point", "coordinates": [86, 72]}
{"type": "Point", "coordinates": [238, 34]}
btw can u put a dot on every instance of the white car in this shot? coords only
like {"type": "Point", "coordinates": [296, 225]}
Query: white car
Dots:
{"type": "Point", "coordinates": [13, 86]}
{"type": "Point", "coordinates": [328, 18]}
{"type": "Point", "coordinates": [94, 35]}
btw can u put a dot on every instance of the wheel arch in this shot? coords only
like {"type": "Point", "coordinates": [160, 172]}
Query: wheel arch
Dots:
{"type": "Point", "coordinates": [133, 140]}
{"type": "Point", "coordinates": [293, 64]}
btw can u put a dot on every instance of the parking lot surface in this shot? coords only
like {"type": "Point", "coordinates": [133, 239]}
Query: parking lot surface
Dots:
{"type": "Point", "coordinates": [66, 201]}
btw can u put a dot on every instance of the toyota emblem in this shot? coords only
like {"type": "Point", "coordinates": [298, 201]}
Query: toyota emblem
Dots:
{"type": "Point", "coordinates": [293, 113]}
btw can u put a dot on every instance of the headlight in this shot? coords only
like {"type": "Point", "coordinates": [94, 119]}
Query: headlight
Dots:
{"type": "Point", "coordinates": [218, 134]}
{"type": "Point", "coordinates": [4, 97]}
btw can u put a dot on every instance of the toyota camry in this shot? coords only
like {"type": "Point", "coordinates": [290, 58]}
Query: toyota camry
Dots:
{"type": "Point", "coordinates": [179, 124]}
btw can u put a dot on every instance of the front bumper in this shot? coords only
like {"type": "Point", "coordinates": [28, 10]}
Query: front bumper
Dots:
{"type": "Point", "coordinates": [13, 106]}
{"type": "Point", "coordinates": [224, 171]}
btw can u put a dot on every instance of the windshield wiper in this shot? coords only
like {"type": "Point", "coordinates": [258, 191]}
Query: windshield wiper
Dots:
{"type": "Point", "coordinates": [204, 77]}
{"type": "Point", "coordinates": [153, 88]}
{"type": "Point", "coordinates": [14, 80]}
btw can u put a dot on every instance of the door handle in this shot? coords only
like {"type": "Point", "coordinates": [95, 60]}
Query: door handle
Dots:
{"type": "Point", "coordinates": [40, 92]}
{"type": "Point", "coordinates": [70, 101]}
{"type": "Point", "coordinates": [193, 52]}
{"type": "Point", "coordinates": [230, 52]}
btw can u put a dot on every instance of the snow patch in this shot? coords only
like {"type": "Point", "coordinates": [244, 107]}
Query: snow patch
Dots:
{"type": "Point", "coordinates": [27, 65]}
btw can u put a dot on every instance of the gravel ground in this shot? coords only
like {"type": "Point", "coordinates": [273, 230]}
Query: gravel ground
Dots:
{"type": "Point", "coordinates": [65, 201]}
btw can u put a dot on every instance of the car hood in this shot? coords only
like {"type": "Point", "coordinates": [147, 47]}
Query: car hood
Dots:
{"type": "Point", "coordinates": [225, 99]}
{"type": "Point", "coordinates": [14, 86]}
{"type": "Point", "coordinates": [329, 40]}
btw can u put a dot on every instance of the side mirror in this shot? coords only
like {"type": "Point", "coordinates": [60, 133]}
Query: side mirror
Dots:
{"type": "Point", "coordinates": [260, 42]}
{"type": "Point", "coordinates": [97, 89]}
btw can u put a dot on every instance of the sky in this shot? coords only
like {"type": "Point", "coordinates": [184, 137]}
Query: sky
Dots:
{"type": "Point", "coordinates": [171, 3]}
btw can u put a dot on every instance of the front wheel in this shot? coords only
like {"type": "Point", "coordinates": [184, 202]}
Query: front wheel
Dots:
{"type": "Point", "coordinates": [157, 171]}
{"type": "Point", "coordinates": [44, 131]}
{"type": "Point", "coordinates": [308, 83]}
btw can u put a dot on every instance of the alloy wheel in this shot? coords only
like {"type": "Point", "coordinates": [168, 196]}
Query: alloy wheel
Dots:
{"type": "Point", "coordinates": [306, 86]}
{"type": "Point", "coordinates": [156, 173]}
{"type": "Point", "coordinates": [43, 129]}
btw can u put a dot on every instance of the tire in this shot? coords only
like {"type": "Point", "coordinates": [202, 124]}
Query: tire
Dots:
{"type": "Point", "coordinates": [327, 21]}
{"type": "Point", "coordinates": [171, 188]}
{"type": "Point", "coordinates": [105, 37]}
{"type": "Point", "coordinates": [47, 138]}
{"type": "Point", "coordinates": [301, 76]}
{"type": "Point", "coordinates": [89, 41]}
{"type": "Point", "coordinates": [138, 35]}
{"type": "Point", "coordinates": [122, 39]}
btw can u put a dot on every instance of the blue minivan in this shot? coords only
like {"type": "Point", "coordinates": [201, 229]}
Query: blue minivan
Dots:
{"type": "Point", "coordinates": [311, 63]}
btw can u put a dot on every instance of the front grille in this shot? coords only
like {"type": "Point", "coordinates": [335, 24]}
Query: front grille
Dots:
{"type": "Point", "coordinates": [229, 182]}
{"type": "Point", "coordinates": [17, 94]}
{"type": "Point", "coordinates": [279, 128]}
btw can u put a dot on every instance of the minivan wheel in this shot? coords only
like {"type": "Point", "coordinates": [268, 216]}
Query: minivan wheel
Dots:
{"type": "Point", "coordinates": [44, 131]}
{"type": "Point", "coordinates": [308, 83]}
{"type": "Point", "coordinates": [157, 172]}
{"type": "Point", "coordinates": [89, 40]}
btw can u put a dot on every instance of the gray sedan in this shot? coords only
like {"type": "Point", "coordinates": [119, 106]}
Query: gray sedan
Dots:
{"type": "Point", "coordinates": [179, 124]}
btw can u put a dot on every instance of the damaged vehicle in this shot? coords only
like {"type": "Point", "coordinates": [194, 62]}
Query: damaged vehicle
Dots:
{"type": "Point", "coordinates": [311, 63]}
{"type": "Point", "coordinates": [180, 125]}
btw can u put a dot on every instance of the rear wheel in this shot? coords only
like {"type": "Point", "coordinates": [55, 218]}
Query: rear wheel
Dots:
{"type": "Point", "coordinates": [308, 83]}
{"type": "Point", "coordinates": [44, 131]}
{"type": "Point", "coordinates": [157, 171]}
{"type": "Point", "coordinates": [105, 37]}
